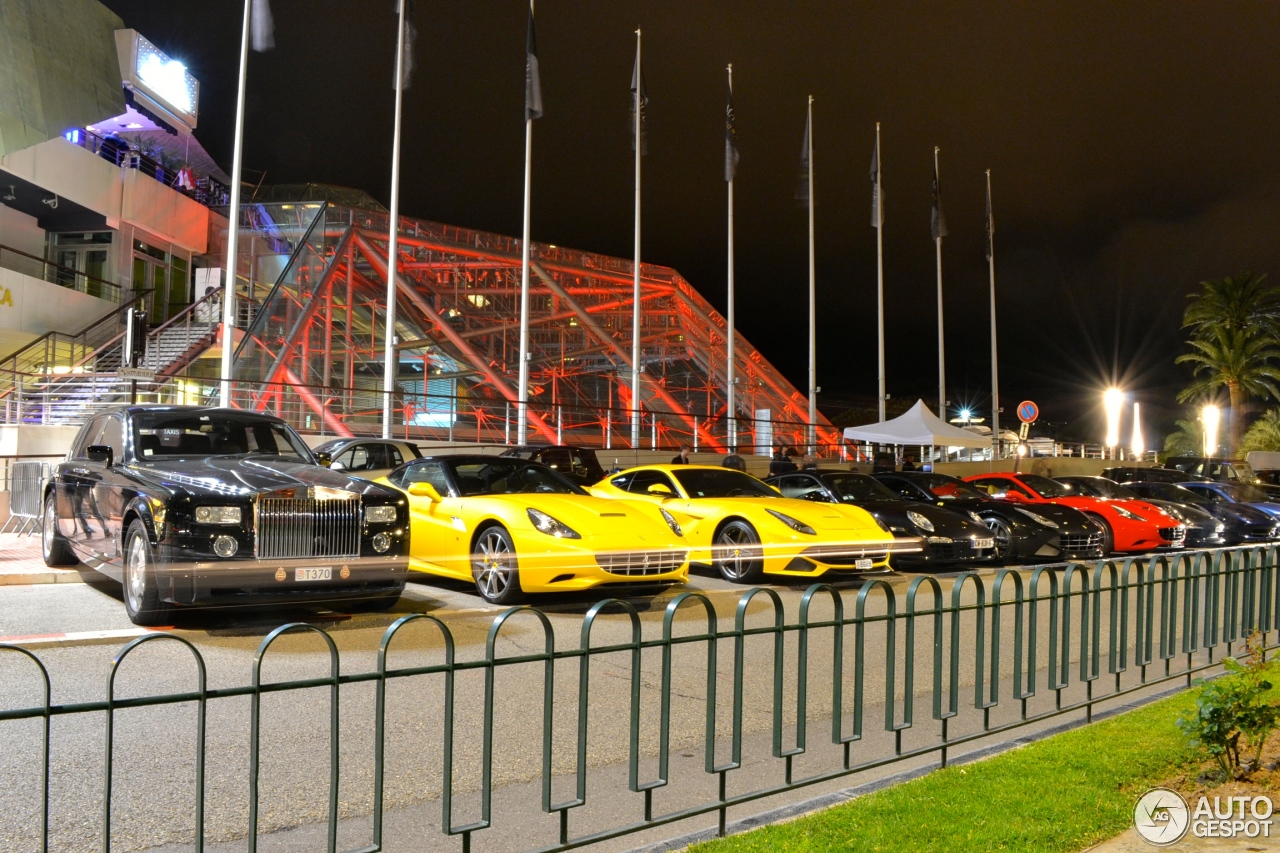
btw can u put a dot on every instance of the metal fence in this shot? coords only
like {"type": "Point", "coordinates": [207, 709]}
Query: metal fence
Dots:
{"type": "Point", "coordinates": [26, 487]}
{"type": "Point", "coordinates": [704, 709]}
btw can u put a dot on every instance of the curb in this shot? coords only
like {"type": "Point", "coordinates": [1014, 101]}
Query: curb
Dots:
{"type": "Point", "coordinates": [31, 577]}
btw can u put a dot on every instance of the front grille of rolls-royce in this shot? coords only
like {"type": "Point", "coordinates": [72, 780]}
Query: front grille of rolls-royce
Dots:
{"type": "Point", "coordinates": [306, 527]}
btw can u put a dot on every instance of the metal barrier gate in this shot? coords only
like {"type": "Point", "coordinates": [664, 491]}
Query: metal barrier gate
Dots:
{"type": "Point", "coordinates": [26, 486]}
{"type": "Point", "coordinates": [641, 723]}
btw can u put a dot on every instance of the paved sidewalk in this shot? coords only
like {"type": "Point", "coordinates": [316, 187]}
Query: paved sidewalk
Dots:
{"type": "Point", "coordinates": [21, 563]}
{"type": "Point", "coordinates": [1131, 842]}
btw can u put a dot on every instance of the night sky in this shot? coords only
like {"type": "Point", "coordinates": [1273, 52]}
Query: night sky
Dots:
{"type": "Point", "coordinates": [1132, 150]}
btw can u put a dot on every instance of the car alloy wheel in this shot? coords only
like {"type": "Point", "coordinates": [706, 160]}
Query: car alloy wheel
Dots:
{"type": "Point", "coordinates": [141, 592]}
{"type": "Point", "coordinates": [495, 569]}
{"type": "Point", "coordinates": [738, 554]}
{"type": "Point", "coordinates": [1003, 535]}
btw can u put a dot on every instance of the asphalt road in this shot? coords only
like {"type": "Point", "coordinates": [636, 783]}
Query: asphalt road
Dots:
{"type": "Point", "coordinates": [154, 750]}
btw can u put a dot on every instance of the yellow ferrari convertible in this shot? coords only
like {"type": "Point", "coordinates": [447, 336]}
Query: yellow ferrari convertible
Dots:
{"type": "Point", "coordinates": [516, 527]}
{"type": "Point", "coordinates": [747, 529]}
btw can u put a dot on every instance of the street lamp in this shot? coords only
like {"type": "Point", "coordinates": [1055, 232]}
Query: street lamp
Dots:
{"type": "Point", "coordinates": [1112, 400]}
{"type": "Point", "coordinates": [1138, 446]}
{"type": "Point", "coordinates": [1210, 416]}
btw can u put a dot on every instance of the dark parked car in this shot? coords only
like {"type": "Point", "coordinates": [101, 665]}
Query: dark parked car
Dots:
{"type": "Point", "coordinates": [1242, 523]}
{"type": "Point", "coordinates": [1203, 529]}
{"type": "Point", "coordinates": [577, 463]}
{"type": "Point", "coordinates": [1237, 494]}
{"type": "Point", "coordinates": [191, 506]}
{"type": "Point", "coordinates": [1126, 474]}
{"type": "Point", "coordinates": [948, 537]}
{"type": "Point", "coordinates": [1045, 532]}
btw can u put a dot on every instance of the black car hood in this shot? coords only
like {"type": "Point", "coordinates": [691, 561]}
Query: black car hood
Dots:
{"type": "Point", "coordinates": [246, 475]}
{"type": "Point", "coordinates": [946, 521]}
{"type": "Point", "coordinates": [1063, 516]}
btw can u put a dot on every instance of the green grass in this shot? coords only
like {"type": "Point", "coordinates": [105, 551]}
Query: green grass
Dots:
{"type": "Point", "coordinates": [1063, 793]}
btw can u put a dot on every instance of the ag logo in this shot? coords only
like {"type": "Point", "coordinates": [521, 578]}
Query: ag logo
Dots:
{"type": "Point", "coordinates": [1161, 816]}
{"type": "Point", "coordinates": [6, 298]}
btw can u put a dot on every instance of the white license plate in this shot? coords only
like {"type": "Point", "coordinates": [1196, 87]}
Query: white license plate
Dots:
{"type": "Point", "coordinates": [980, 544]}
{"type": "Point", "coordinates": [313, 573]}
{"type": "Point", "coordinates": [863, 563]}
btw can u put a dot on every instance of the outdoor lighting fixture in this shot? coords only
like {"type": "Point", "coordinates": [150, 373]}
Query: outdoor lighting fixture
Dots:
{"type": "Point", "coordinates": [1022, 450]}
{"type": "Point", "coordinates": [1112, 400]}
{"type": "Point", "coordinates": [1138, 447]}
{"type": "Point", "coordinates": [1210, 416]}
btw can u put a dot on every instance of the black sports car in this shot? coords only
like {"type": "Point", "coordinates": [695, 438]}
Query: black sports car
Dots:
{"type": "Point", "coordinates": [1242, 523]}
{"type": "Point", "coordinates": [1045, 533]}
{"type": "Point", "coordinates": [1203, 530]}
{"type": "Point", "coordinates": [188, 506]}
{"type": "Point", "coordinates": [577, 463]}
{"type": "Point", "coordinates": [1126, 474]}
{"type": "Point", "coordinates": [948, 537]}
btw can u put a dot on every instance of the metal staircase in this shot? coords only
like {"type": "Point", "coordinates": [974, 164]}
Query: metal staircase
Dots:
{"type": "Point", "coordinates": [60, 379]}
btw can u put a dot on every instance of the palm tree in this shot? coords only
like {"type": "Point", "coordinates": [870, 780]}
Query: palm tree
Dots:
{"type": "Point", "coordinates": [1238, 302]}
{"type": "Point", "coordinates": [1188, 440]}
{"type": "Point", "coordinates": [1264, 433]}
{"type": "Point", "coordinates": [1238, 359]}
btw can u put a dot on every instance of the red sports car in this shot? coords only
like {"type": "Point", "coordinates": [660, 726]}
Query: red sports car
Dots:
{"type": "Point", "coordinates": [1126, 525]}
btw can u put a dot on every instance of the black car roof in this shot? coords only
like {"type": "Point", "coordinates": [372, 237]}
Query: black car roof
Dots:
{"type": "Point", "coordinates": [178, 410]}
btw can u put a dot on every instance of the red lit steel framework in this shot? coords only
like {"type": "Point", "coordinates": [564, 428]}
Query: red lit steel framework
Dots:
{"type": "Point", "coordinates": [316, 343]}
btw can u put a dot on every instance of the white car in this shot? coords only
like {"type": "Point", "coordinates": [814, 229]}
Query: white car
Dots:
{"type": "Point", "coordinates": [367, 458]}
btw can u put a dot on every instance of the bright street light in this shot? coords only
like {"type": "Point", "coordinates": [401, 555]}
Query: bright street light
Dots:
{"type": "Point", "coordinates": [1112, 400]}
{"type": "Point", "coordinates": [1138, 446]}
{"type": "Point", "coordinates": [1210, 416]}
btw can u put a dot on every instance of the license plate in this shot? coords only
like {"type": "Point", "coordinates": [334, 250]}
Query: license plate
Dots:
{"type": "Point", "coordinates": [313, 573]}
{"type": "Point", "coordinates": [980, 544]}
{"type": "Point", "coordinates": [863, 563]}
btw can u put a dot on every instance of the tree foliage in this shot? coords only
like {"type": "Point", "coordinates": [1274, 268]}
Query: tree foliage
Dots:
{"type": "Point", "coordinates": [1263, 434]}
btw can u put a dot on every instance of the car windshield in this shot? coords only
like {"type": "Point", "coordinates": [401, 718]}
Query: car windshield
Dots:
{"type": "Point", "coordinates": [1045, 487]}
{"type": "Point", "coordinates": [1101, 487]}
{"type": "Point", "coordinates": [1244, 493]}
{"type": "Point", "coordinates": [173, 435]}
{"type": "Point", "coordinates": [1170, 492]}
{"type": "Point", "coordinates": [508, 475]}
{"type": "Point", "coordinates": [331, 445]}
{"type": "Point", "coordinates": [948, 489]}
{"type": "Point", "coordinates": [859, 487]}
{"type": "Point", "coordinates": [722, 483]}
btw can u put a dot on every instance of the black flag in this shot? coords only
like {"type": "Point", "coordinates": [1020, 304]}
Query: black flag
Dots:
{"type": "Point", "coordinates": [938, 221]}
{"type": "Point", "coordinates": [730, 135]}
{"type": "Point", "coordinates": [532, 81]}
{"type": "Point", "coordinates": [991, 222]}
{"type": "Point", "coordinates": [639, 100]}
{"type": "Point", "coordinates": [802, 185]}
{"type": "Point", "coordinates": [877, 194]}
{"type": "Point", "coordinates": [261, 27]}
{"type": "Point", "coordinates": [410, 35]}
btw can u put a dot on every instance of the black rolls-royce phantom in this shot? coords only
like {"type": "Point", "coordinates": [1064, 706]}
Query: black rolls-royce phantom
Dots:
{"type": "Point", "coordinates": [186, 505]}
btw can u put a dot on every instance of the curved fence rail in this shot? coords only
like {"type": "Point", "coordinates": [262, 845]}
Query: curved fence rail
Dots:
{"type": "Point", "coordinates": [713, 705]}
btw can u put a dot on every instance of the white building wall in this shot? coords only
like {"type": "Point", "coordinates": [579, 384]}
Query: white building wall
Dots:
{"type": "Point", "coordinates": [22, 232]}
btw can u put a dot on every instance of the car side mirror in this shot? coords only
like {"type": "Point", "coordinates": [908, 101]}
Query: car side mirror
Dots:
{"type": "Point", "coordinates": [660, 490]}
{"type": "Point", "coordinates": [325, 458]}
{"type": "Point", "coordinates": [337, 466]}
{"type": "Point", "coordinates": [100, 454]}
{"type": "Point", "coordinates": [817, 497]}
{"type": "Point", "coordinates": [425, 490]}
{"type": "Point", "coordinates": [1002, 495]}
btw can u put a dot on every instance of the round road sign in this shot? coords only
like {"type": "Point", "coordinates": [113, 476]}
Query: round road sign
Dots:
{"type": "Point", "coordinates": [1028, 412]}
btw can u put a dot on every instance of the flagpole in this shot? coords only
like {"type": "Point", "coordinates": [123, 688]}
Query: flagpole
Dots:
{"type": "Point", "coordinates": [942, 346]}
{"type": "Point", "coordinates": [233, 223]}
{"type": "Point", "coordinates": [879, 270]}
{"type": "Point", "coordinates": [813, 309]}
{"type": "Point", "coordinates": [522, 404]}
{"type": "Point", "coordinates": [635, 322]}
{"type": "Point", "coordinates": [995, 363]}
{"type": "Point", "coordinates": [391, 360]}
{"type": "Point", "coordinates": [731, 420]}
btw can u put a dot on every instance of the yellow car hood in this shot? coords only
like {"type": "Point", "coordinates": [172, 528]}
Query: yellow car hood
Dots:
{"type": "Point", "coordinates": [599, 519]}
{"type": "Point", "coordinates": [821, 517]}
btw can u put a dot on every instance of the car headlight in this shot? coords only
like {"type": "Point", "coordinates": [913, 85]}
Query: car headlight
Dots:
{"type": "Point", "coordinates": [1124, 513]}
{"type": "Point", "coordinates": [671, 522]}
{"type": "Point", "coordinates": [379, 514]}
{"type": "Point", "coordinates": [976, 517]}
{"type": "Point", "coordinates": [551, 526]}
{"type": "Point", "coordinates": [919, 520]}
{"type": "Point", "coordinates": [1038, 518]}
{"type": "Point", "coordinates": [797, 526]}
{"type": "Point", "coordinates": [218, 514]}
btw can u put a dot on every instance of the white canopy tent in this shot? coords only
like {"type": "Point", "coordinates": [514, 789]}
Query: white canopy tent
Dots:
{"type": "Point", "coordinates": [918, 426]}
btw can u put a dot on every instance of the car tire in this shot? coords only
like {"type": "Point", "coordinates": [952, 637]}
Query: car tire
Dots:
{"type": "Point", "coordinates": [495, 568]}
{"type": "Point", "coordinates": [737, 553]}
{"type": "Point", "coordinates": [1108, 538]}
{"type": "Point", "coordinates": [141, 589]}
{"type": "Point", "coordinates": [1002, 533]}
{"type": "Point", "coordinates": [55, 549]}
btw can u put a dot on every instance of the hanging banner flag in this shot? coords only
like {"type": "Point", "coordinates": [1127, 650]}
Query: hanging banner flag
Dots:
{"type": "Point", "coordinates": [532, 79]}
